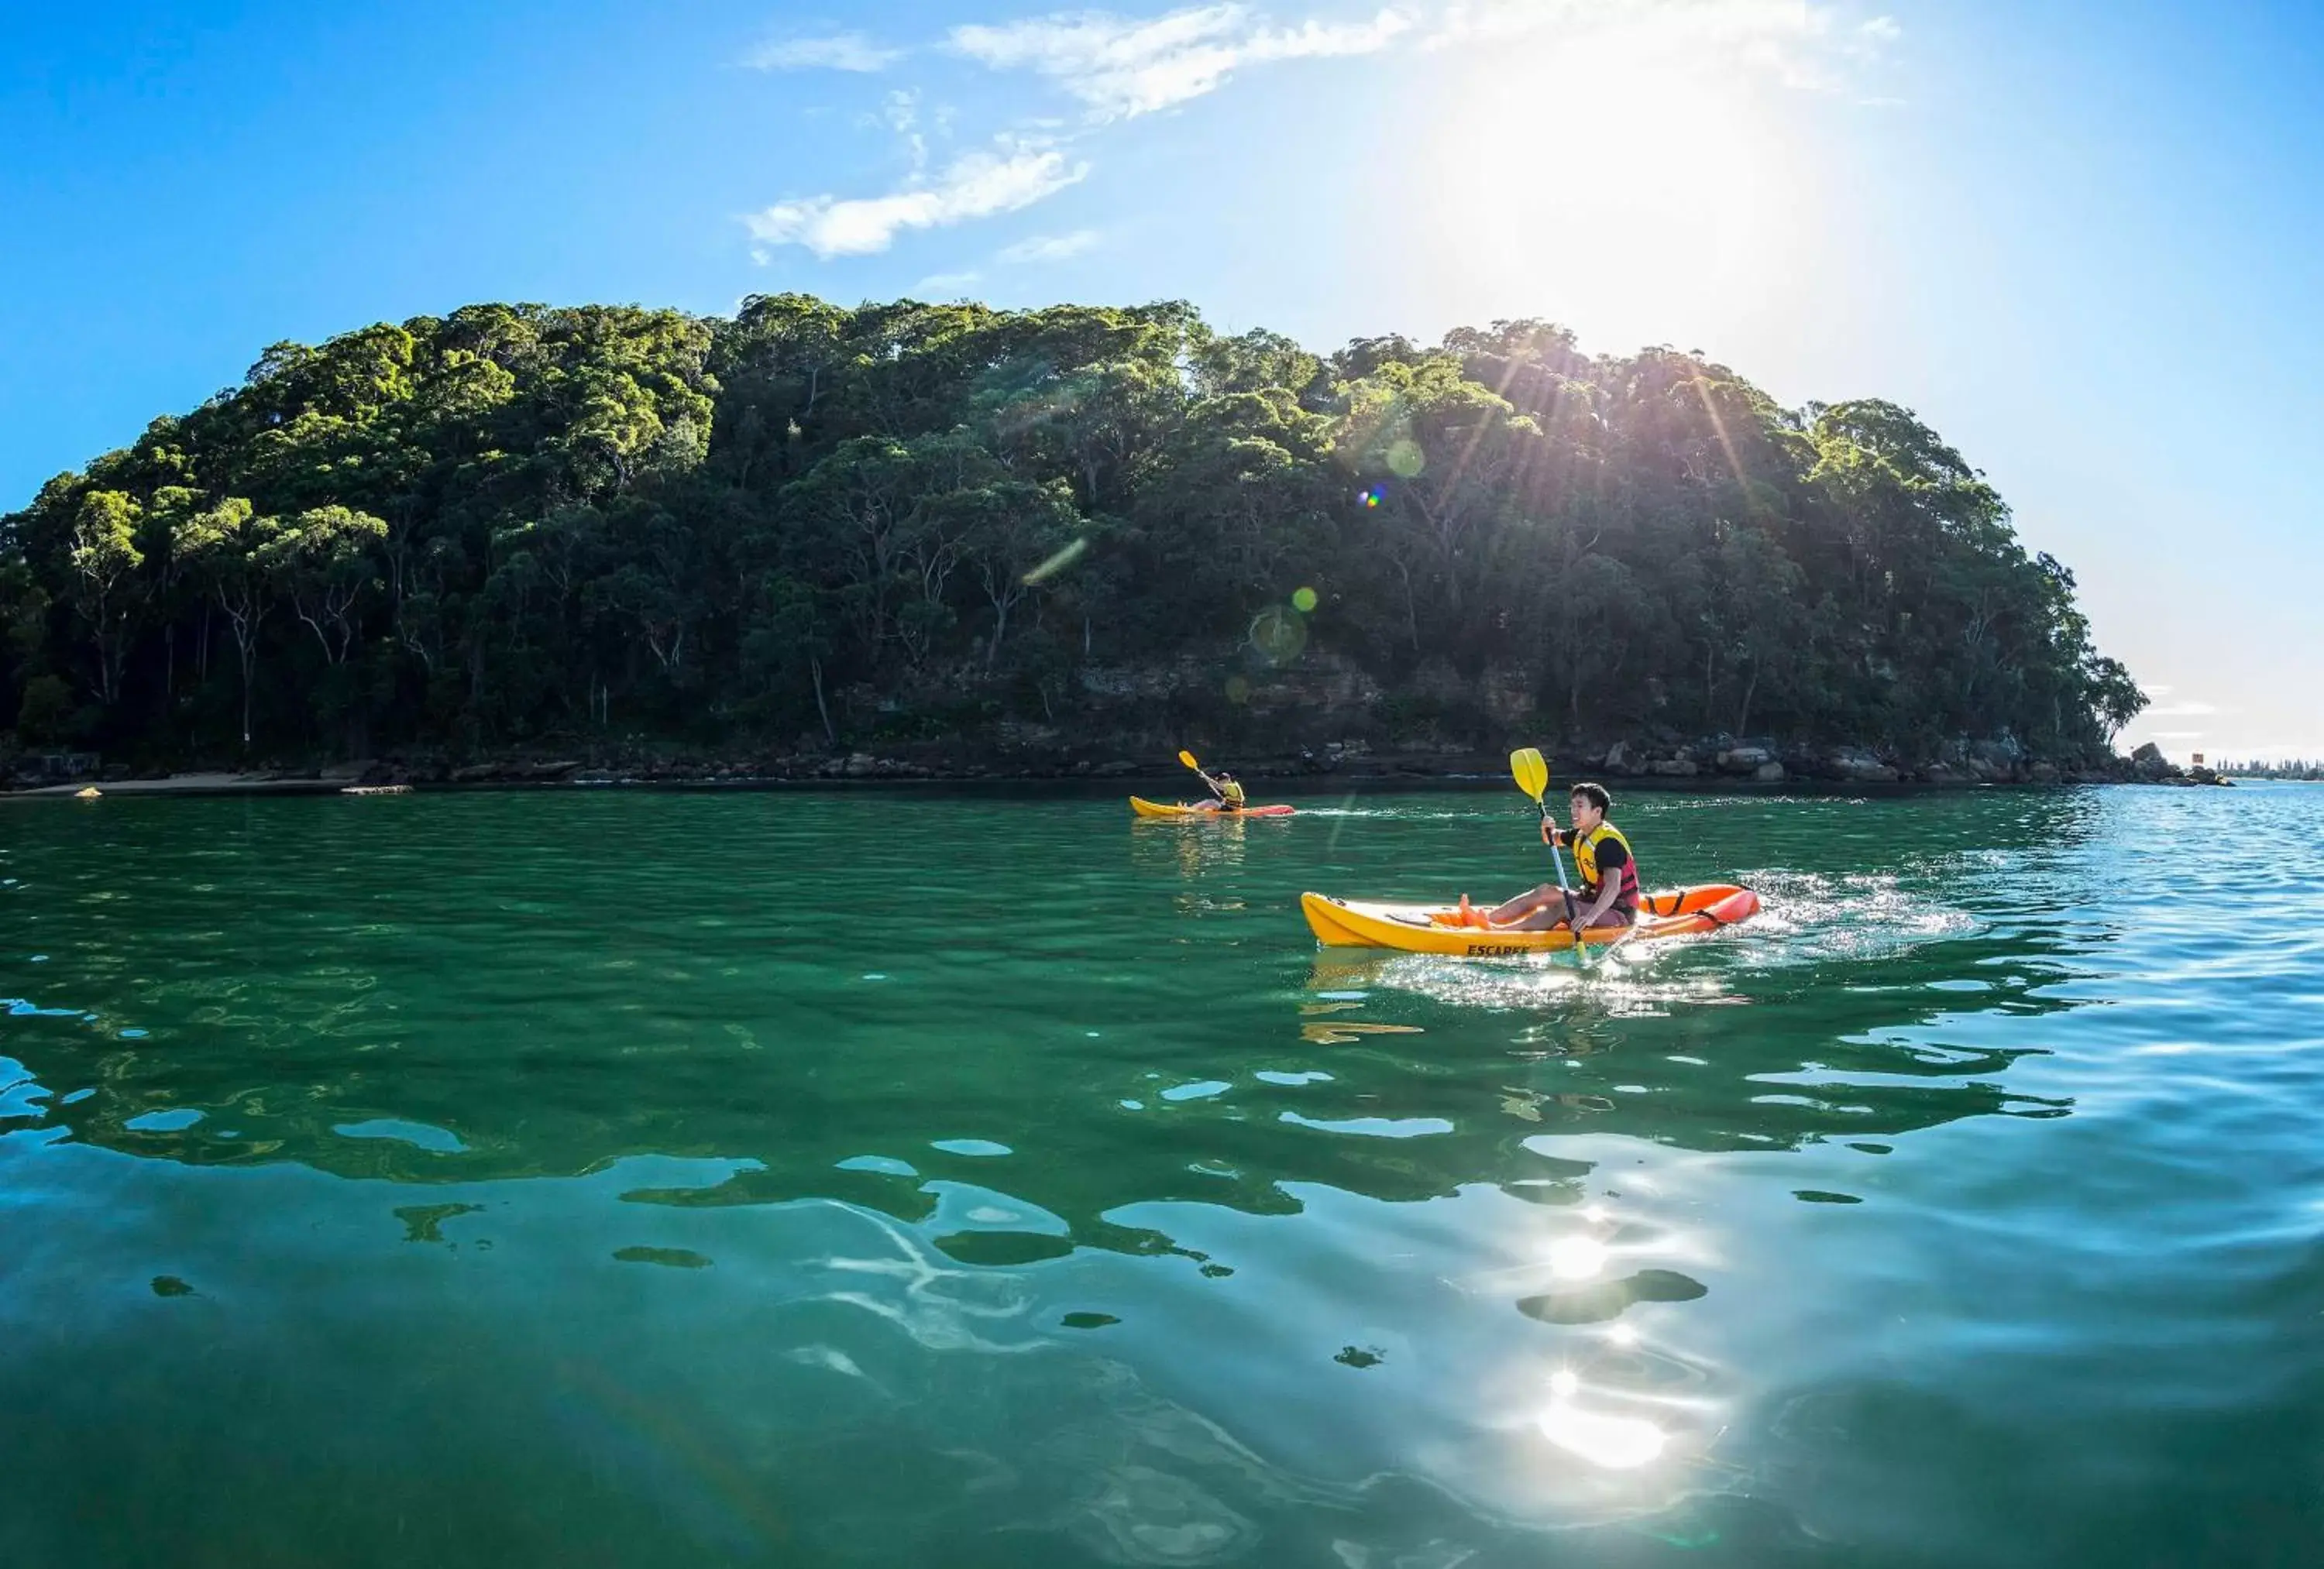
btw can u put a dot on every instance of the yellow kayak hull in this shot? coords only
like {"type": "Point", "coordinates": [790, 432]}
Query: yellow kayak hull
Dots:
{"type": "Point", "coordinates": [1434, 928]}
{"type": "Point", "coordinates": [1163, 809]}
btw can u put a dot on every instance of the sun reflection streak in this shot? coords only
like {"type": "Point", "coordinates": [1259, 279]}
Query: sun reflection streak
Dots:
{"type": "Point", "coordinates": [1615, 1442]}
{"type": "Point", "coordinates": [1577, 1258]}
{"type": "Point", "coordinates": [1604, 1439]}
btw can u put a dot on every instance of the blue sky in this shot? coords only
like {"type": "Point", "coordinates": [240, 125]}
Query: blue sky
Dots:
{"type": "Point", "coordinates": [2085, 241]}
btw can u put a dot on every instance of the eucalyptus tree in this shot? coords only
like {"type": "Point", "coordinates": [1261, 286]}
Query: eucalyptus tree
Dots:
{"type": "Point", "coordinates": [107, 589]}
{"type": "Point", "coordinates": [229, 549]}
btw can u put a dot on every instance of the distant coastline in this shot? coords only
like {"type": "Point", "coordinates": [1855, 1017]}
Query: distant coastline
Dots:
{"type": "Point", "coordinates": [1814, 770]}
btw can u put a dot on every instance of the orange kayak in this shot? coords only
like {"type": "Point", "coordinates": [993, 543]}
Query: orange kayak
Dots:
{"type": "Point", "coordinates": [1436, 929]}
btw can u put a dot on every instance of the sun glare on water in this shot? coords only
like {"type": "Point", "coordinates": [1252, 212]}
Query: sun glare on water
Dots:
{"type": "Point", "coordinates": [1616, 1443]}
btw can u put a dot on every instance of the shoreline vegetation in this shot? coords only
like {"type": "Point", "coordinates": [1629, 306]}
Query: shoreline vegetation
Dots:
{"type": "Point", "coordinates": [1750, 766]}
{"type": "Point", "coordinates": [910, 540]}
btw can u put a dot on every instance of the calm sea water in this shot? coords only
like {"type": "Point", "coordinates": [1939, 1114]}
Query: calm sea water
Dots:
{"type": "Point", "coordinates": [629, 1178]}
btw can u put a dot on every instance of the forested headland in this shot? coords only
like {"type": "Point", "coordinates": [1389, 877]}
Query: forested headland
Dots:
{"type": "Point", "coordinates": [813, 528]}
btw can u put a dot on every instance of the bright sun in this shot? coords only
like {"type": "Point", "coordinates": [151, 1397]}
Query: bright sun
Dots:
{"type": "Point", "coordinates": [1627, 186]}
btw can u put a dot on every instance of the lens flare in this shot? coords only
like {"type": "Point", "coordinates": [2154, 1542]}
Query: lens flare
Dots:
{"type": "Point", "coordinates": [1278, 634]}
{"type": "Point", "coordinates": [1056, 563]}
{"type": "Point", "coordinates": [1303, 599]}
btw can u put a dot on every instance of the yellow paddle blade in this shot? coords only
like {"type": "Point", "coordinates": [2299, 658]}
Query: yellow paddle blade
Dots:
{"type": "Point", "coordinates": [1532, 774]}
{"type": "Point", "coordinates": [1188, 758]}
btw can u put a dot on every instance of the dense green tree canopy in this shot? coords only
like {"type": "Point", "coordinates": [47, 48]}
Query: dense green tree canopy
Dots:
{"type": "Point", "coordinates": [515, 524]}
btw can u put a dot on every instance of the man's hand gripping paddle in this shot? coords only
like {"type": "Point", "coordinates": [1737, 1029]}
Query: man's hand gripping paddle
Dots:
{"type": "Point", "coordinates": [1188, 758]}
{"type": "Point", "coordinates": [1532, 774]}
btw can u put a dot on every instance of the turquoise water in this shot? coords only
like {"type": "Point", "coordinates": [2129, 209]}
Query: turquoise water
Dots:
{"type": "Point", "coordinates": [643, 1178]}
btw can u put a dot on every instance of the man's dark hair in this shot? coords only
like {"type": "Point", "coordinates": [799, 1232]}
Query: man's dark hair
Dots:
{"type": "Point", "coordinates": [1594, 793]}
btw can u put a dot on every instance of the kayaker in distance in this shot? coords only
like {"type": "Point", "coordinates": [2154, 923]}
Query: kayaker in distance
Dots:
{"type": "Point", "coordinates": [1229, 792]}
{"type": "Point", "coordinates": [1609, 894]}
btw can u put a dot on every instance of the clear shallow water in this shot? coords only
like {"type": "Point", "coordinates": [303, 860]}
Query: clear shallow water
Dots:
{"type": "Point", "coordinates": [639, 1179]}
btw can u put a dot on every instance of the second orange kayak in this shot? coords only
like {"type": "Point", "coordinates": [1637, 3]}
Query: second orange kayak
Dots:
{"type": "Point", "coordinates": [1145, 808]}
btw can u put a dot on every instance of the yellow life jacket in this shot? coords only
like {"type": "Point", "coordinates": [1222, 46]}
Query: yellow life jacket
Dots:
{"type": "Point", "coordinates": [1585, 861]}
{"type": "Point", "coordinates": [1231, 794]}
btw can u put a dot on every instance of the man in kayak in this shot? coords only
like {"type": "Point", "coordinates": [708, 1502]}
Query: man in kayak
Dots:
{"type": "Point", "coordinates": [1229, 792]}
{"type": "Point", "coordinates": [1609, 894]}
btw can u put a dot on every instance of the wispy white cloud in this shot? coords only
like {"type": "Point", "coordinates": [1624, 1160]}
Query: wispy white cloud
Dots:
{"type": "Point", "coordinates": [901, 115]}
{"type": "Point", "coordinates": [839, 51]}
{"type": "Point", "coordinates": [1122, 67]}
{"type": "Point", "coordinates": [2182, 711]}
{"type": "Point", "coordinates": [1047, 247]}
{"type": "Point", "coordinates": [942, 285]}
{"type": "Point", "coordinates": [978, 185]}
{"type": "Point", "coordinates": [1805, 43]}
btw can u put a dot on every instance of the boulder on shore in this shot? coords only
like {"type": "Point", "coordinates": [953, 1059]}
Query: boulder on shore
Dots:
{"type": "Point", "coordinates": [2149, 763]}
{"type": "Point", "coordinates": [1858, 767]}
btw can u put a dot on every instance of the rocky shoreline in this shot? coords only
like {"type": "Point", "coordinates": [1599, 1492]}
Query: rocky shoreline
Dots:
{"type": "Point", "coordinates": [1715, 763]}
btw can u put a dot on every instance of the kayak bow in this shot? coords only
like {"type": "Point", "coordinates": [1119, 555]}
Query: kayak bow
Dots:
{"type": "Point", "coordinates": [1436, 928]}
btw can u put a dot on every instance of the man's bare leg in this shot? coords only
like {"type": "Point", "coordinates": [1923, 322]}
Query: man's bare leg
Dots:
{"type": "Point", "coordinates": [1526, 904]}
